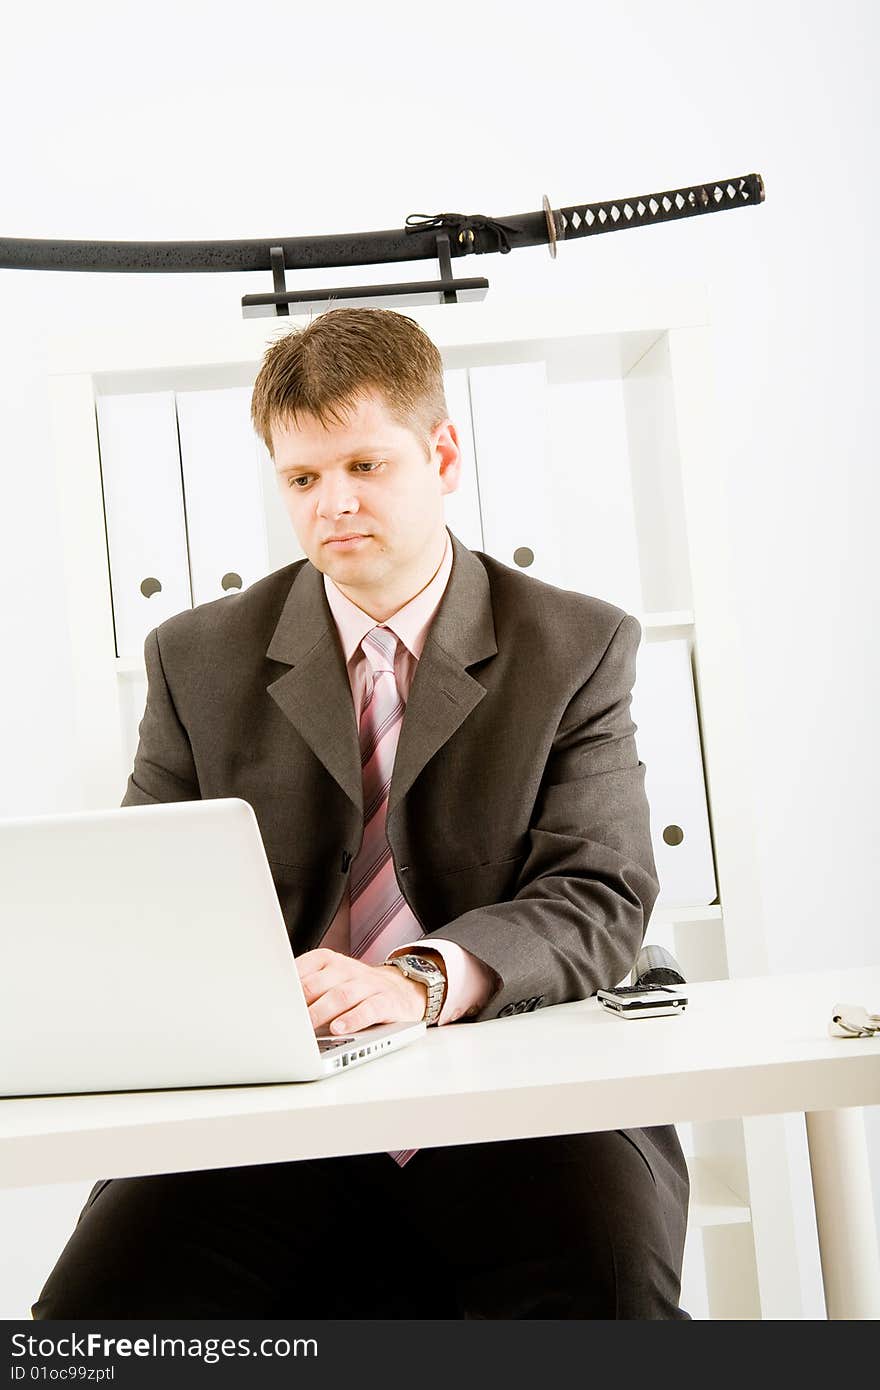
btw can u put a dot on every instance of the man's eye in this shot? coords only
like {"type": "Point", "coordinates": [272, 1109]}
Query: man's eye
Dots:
{"type": "Point", "coordinates": [368, 464]}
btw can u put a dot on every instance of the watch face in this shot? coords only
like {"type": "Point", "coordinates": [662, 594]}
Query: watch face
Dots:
{"type": "Point", "coordinates": [424, 967]}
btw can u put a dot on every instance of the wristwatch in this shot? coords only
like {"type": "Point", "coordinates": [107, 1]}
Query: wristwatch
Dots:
{"type": "Point", "coordinates": [425, 970]}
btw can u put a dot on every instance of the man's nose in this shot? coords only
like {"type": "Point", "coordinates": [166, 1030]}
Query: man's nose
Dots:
{"type": "Point", "coordinates": [336, 496]}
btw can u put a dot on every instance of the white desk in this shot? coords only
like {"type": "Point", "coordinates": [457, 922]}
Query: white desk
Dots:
{"type": "Point", "coordinates": [744, 1047]}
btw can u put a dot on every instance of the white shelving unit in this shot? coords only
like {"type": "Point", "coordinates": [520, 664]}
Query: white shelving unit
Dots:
{"type": "Point", "coordinates": [647, 359]}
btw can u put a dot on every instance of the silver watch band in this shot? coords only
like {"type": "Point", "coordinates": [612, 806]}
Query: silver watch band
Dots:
{"type": "Point", "coordinates": [436, 987]}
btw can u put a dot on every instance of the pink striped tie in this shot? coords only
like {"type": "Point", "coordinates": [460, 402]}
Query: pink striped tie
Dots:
{"type": "Point", "coordinates": [379, 916]}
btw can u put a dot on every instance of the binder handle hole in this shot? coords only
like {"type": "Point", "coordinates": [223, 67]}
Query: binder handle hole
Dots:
{"type": "Point", "coordinates": [230, 581]}
{"type": "Point", "coordinates": [150, 586]}
{"type": "Point", "coordinates": [673, 834]}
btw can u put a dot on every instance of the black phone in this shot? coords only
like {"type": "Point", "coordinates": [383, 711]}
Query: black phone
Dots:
{"type": "Point", "coordinates": [643, 1001]}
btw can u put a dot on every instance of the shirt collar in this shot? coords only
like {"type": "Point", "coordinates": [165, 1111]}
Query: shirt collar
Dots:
{"type": "Point", "coordinates": [410, 623]}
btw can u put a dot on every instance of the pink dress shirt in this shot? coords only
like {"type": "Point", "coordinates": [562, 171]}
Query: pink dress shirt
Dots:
{"type": "Point", "coordinates": [470, 981]}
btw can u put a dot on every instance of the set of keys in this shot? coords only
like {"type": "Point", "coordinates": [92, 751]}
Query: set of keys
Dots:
{"type": "Point", "coordinates": [852, 1021]}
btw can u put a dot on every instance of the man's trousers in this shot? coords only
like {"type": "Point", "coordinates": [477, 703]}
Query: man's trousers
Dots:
{"type": "Point", "coordinates": [568, 1226]}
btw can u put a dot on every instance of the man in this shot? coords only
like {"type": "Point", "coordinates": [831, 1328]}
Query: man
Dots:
{"type": "Point", "coordinates": [506, 865]}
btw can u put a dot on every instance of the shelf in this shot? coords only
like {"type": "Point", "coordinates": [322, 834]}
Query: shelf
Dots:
{"type": "Point", "coordinates": [712, 1202]}
{"type": "Point", "coordinates": [673, 915]}
{"type": "Point", "coordinates": [617, 322]}
{"type": "Point", "coordinates": [652, 622]}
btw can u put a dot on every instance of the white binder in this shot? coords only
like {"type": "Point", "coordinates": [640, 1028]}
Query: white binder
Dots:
{"type": "Point", "coordinates": [509, 408]}
{"type": "Point", "coordinates": [281, 540]}
{"type": "Point", "coordinates": [592, 486]}
{"type": "Point", "coordinates": [668, 742]}
{"type": "Point", "coordinates": [462, 508]}
{"type": "Point", "coordinates": [223, 492]}
{"type": "Point", "coordinates": [132, 703]}
{"type": "Point", "coordinates": [143, 503]}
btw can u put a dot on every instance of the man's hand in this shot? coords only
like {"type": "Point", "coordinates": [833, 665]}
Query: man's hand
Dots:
{"type": "Point", "coordinates": [348, 994]}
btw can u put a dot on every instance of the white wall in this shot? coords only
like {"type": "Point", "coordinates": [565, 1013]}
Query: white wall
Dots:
{"type": "Point", "coordinates": [179, 121]}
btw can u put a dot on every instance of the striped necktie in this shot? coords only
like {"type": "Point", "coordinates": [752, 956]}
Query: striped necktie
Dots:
{"type": "Point", "coordinates": [379, 916]}
{"type": "Point", "coordinates": [378, 913]}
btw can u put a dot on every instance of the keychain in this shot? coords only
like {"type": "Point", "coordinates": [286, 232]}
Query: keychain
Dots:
{"type": "Point", "coordinates": [852, 1021]}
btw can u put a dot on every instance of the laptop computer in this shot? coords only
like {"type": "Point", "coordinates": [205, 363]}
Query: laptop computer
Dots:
{"type": "Point", "coordinates": [144, 948]}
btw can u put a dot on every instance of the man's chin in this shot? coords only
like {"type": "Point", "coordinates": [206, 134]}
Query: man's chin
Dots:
{"type": "Point", "coordinates": [333, 561]}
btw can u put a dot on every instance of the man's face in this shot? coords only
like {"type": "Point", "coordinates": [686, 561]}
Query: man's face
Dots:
{"type": "Point", "coordinates": [370, 479]}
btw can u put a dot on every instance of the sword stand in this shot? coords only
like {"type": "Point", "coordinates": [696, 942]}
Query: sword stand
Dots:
{"type": "Point", "coordinates": [282, 302]}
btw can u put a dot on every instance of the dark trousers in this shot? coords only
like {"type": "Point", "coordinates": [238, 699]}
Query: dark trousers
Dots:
{"type": "Point", "coordinates": [570, 1226]}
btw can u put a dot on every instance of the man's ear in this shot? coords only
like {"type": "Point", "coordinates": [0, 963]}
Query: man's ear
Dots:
{"type": "Point", "coordinates": [446, 451]}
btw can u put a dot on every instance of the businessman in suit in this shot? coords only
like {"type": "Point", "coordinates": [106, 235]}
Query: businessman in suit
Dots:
{"type": "Point", "coordinates": [440, 755]}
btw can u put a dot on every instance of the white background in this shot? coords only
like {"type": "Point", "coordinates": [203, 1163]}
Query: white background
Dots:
{"type": "Point", "coordinates": [177, 120]}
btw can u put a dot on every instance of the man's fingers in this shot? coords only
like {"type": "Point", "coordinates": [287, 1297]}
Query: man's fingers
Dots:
{"type": "Point", "coordinates": [344, 994]}
{"type": "Point", "coordinates": [320, 982]}
{"type": "Point", "coordinates": [336, 1002]}
{"type": "Point", "coordinates": [319, 959]}
{"type": "Point", "coordinates": [371, 1010]}
{"type": "Point", "coordinates": [320, 970]}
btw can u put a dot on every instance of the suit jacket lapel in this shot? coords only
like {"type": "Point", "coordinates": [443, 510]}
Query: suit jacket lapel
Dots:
{"type": "Point", "coordinates": [442, 694]}
{"type": "Point", "coordinates": [316, 697]}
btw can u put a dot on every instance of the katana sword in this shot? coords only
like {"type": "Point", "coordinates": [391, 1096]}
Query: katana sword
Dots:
{"type": "Point", "coordinates": [443, 236]}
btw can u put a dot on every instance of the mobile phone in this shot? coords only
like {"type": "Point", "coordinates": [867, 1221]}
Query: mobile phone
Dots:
{"type": "Point", "coordinates": [643, 1001]}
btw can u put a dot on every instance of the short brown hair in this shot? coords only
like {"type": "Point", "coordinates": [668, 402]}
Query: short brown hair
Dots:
{"type": "Point", "coordinates": [321, 369]}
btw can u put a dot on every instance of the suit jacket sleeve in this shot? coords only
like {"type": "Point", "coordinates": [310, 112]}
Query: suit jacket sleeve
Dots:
{"type": "Point", "coordinates": [588, 885]}
{"type": "Point", "coordinates": [164, 768]}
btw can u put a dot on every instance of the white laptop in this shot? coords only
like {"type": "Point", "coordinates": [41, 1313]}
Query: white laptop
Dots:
{"type": "Point", "coordinates": [144, 947]}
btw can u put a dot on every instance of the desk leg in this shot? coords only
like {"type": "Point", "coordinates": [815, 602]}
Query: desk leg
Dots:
{"type": "Point", "coordinates": [844, 1213]}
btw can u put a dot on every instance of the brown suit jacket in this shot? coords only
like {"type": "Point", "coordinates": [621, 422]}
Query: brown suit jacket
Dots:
{"type": "Point", "coordinates": [517, 815]}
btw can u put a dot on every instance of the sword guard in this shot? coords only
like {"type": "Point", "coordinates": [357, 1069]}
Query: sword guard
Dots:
{"type": "Point", "coordinates": [554, 229]}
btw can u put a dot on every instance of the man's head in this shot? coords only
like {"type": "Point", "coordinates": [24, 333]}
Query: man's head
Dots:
{"type": "Point", "coordinates": [353, 413]}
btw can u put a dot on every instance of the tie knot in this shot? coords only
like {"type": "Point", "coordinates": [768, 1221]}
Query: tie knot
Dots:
{"type": "Point", "coordinates": [380, 647]}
